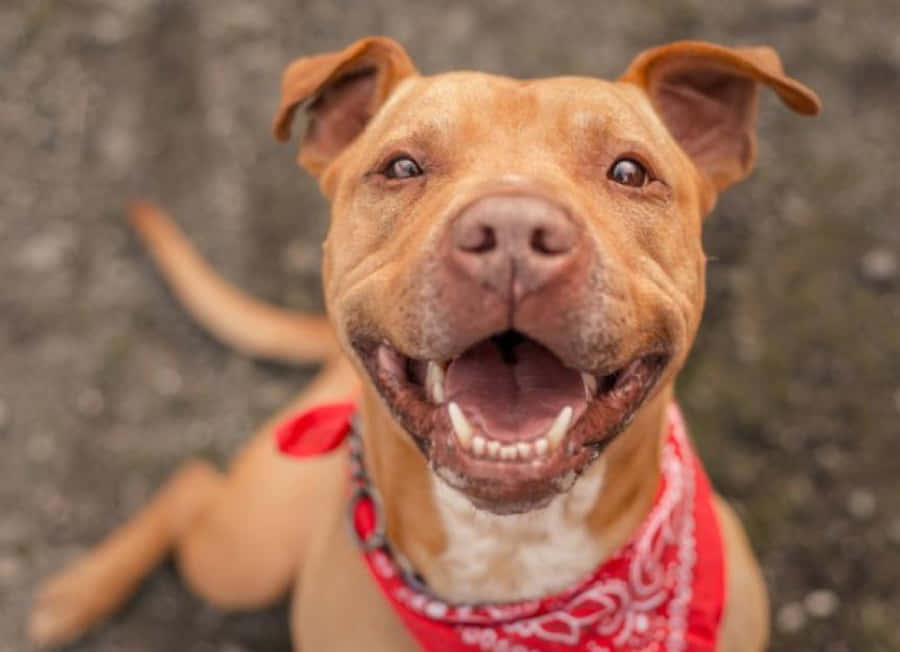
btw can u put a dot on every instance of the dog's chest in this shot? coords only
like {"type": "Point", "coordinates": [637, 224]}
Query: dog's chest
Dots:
{"type": "Point", "coordinates": [491, 558]}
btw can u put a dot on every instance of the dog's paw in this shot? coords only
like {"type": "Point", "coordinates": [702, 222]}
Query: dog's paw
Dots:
{"type": "Point", "coordinates": [52, 619]}
{"type": "Point", "coordinates": [69, 603]}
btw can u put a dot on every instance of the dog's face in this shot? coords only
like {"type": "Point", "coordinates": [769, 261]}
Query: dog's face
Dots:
{"type": "Point", "coordinates": [516, 266]}
{"type": "Point", "coordinates": [525, 251]}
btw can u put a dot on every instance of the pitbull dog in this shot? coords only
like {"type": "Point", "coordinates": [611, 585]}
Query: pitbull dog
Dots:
{"type": "Point", "coordinates": [513, 276]}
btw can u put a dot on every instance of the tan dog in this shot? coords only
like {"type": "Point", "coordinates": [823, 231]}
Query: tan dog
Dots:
{"type": "Point", "coordinates": [515, 262]}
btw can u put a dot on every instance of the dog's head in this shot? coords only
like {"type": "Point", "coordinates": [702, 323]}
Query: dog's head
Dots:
{"type": "Point", "coordinates": [516, 265]}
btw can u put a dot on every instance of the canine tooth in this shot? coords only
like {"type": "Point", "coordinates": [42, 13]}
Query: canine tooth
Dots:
{"type": "Point", "coordinates": [478, 445]}
{"type": "Point", "coordinates": [541, 446]}
{"type": "Point", "coordinates": [590, 385]}
{"type": "Point", "coordinates": [508, 452]}
{"type": "Point", "coordinates": [460, 426]}
{"type": "Point", "coordinates": [524, 449]}
{"type": "Point", "coordinates": [560, 425]}
{"type": "Point", "coordinates": [493, 448]}
{"type": "Point", "coordinates": [434, 380]}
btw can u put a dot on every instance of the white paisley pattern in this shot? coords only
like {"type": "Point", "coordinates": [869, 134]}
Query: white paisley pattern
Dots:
{"type": "Point", "coordinates": [643, 608]}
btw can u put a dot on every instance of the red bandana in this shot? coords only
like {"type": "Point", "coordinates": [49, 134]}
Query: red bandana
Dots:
{"type": "Point", "coordinates": [664, 590]}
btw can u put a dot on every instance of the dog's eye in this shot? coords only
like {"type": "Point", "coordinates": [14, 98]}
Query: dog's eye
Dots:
{"type": "Point", "coordinates": [628, 172]}
{"type": "Point", "coordinates": [402, 167]}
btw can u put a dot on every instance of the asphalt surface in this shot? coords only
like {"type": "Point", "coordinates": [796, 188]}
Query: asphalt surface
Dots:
{"type": "Point", "coordinates": [793, 391]}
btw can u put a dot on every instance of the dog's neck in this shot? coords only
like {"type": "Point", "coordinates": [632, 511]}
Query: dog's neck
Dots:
{"type": "Point", "coordinates": [467, 555]}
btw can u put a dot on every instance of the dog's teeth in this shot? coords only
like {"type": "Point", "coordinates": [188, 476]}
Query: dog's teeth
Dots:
{"type": "Point", "coordinates": [493, 448]}
{"type": "Point", "coordinates": [590, 385]}
{"type": "Point", "coordinates": [460, 426]}
{"type": "Point", "coordinates": [524, 449]}
{"type": "Point", "coordinates": [478, 445]}
{"type": "Point", "coordinates": [434, 381]}
{"type": "Point", "coordinates": [508, 453]}
{"type": "Point", "coordinates": [541, 446]}
{"type": "Point", "coordinates": [558, 430]}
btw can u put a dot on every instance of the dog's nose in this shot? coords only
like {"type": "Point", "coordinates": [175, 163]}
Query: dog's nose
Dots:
{"type": "Point", "coordinates": [513, 243]}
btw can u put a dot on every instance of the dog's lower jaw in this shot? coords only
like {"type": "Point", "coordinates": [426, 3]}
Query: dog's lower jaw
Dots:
{"type": "Point", "coordinates": [436, 527]}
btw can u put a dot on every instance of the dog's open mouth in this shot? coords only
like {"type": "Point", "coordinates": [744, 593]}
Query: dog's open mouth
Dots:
{"type": "Point", "coordinates": [506, 422]}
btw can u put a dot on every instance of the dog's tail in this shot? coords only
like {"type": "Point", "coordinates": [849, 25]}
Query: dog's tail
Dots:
{"type": "Point", "coordinates": [232, 316]}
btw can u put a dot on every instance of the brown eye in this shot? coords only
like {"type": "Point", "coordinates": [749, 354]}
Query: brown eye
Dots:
{"type": "Point", "coordinates": [402, 167]}
{"type": "Point", "coordinates": [628, 172]}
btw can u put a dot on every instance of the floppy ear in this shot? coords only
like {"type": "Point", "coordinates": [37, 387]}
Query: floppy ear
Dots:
{"type": "Point", "coordinates": [344, 90]}
{"type": "Point", "coordinates": [706, 95]}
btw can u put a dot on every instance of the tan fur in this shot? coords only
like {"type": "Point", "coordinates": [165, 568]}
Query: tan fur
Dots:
{"type": "Point", "coordinates": [240, 321]}
{"type": "Point", "coordinates": [246, 538]}
{"type": "Point", "coordinates": [744, 627]}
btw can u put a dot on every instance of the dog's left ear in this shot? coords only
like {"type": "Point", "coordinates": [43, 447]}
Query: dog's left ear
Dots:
{"type": "Point", "coordinates": [344, 90]}
{"type": "Point", "coordinates": [706, 95]}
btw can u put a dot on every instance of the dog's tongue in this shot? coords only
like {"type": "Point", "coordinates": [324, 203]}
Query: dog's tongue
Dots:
{"type": "Point", "coordinates": [512, 393]}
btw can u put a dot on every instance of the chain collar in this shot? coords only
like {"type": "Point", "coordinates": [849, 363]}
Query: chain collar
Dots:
{"type": "Point", "coordinates": [364, 490]}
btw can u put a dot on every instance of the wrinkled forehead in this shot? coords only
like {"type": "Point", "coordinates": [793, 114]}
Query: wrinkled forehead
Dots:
{"type": "Point", "coordinates": [494, 109]}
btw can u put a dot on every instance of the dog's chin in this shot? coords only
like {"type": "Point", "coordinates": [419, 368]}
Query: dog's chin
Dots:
{"type": "Point", "coordinates": [506, 423]}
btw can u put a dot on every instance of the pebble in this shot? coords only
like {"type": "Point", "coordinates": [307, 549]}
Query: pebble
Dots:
{"type": "Point", "coordinates": [821, 603]}
{"type": "Point", "coordinates": [879, 265]}
{"type": "Point", "coordinates": [893, 531]}
{"type": "Point", "coordinates": [51, 503]}
{"type": "Point", "coordinates": [41, 448]}
{"type": "Point", "coordinates": [167, 381]}
{"type": "Point", "coordinates": [300, 256]}
{"type": "Point", "coordinates": [109, 28]}
{"type": "Point", "coordinates": [46, 251]}
{"type": "Point", "coordinates": [14, 531]}
{"type": "Point", "coordinates": [792, 4]}
{"type": "Point", "coordinates": [11, 570]}
{"type": "Point", "coordinates": [830, 458]}
{"type": "Point", "coordinates": [209, 618]}
{"type": "Point", "coordinates": [134, 491]}
{"type": "Point", "coordinates": [797, 210]}
{"type": "Point", "coordinates": [90, 402]}
{"type": "Point", "coordinates": [861, 504]}
{"type": "Point", "coordinates": [874, 615]}
{"type": "Point", "coordinates": [745, 471]}
{"type": "Point", "coordinates": [165, 608]}
{"type": "Point", "coordinates": [272, 394]}
{"type": "Point", "coordinates": [203, 646]}
{"type": "Point", "coordinates": [800, 491]}
{"type": "Point", "coordinates": [791, 618]}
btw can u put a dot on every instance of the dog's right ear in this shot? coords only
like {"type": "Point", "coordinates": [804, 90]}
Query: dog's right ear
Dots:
{"type": "Point", "coordinates": [344, 90]}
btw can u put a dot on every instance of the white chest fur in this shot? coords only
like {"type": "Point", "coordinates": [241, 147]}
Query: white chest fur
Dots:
{"type": "Point", "coordinates": [491, 558]}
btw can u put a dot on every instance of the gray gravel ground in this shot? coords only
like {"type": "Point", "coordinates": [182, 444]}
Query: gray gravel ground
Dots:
{"type": "Point", "coordinates": [793, 390]}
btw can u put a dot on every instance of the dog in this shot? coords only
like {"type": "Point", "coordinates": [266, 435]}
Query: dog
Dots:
{"type": "Point", "coordinates": [513, 277]}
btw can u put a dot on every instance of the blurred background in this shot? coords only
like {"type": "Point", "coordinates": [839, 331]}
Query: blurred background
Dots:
{"type": "Point", "coordinates": [793, 390]}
